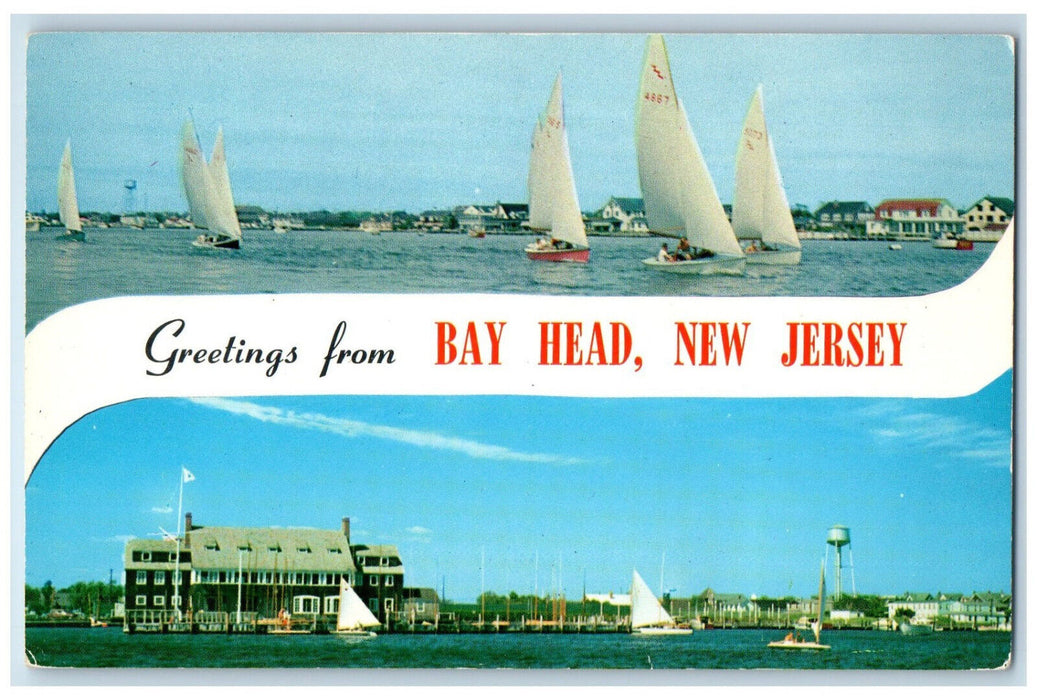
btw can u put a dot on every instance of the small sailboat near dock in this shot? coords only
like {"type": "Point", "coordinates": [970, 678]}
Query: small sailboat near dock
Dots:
{"type": "Point", "coordinates": [68, 205]}
{"type": "Point", "coordinates": [760, 213]}
{"type": "Point", "coordinates": [207, 187]}
{"type": "Point", "coordinates": [647, 615]}
{"type": "Point", "coordinates": [680, 198]}
{"type": "Point", "coordinates": [553, 205]}
{"type": "Point", "coordinates": [354, 618]}
{"type": "Point", "coordinates": [793, 641]}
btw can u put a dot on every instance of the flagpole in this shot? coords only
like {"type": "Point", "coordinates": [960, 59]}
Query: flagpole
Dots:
{"type": "Point", "coordinates": [177, 587]}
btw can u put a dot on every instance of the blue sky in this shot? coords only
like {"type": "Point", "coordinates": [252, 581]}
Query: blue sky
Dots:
{"type": "Point", "coordinates": [736, 495]}
{"type": "Point", "coordinates": [414, 121]}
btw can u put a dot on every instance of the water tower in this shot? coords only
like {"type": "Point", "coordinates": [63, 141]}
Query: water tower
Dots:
{"type": "Point", "coordinates": [129, 200]}
{"type": "Point", "coordinates": [838, 537]}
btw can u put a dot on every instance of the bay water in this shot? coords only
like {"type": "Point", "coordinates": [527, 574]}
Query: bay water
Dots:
{"type": "Point", "coordinates": [127, 262]}
{"type": "Point", "coordinates": [705, 649]}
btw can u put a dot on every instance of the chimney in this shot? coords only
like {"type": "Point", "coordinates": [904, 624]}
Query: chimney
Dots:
{"type": "Point", "coordinates": [345, 528]}
{"type": "Point", "coordinates": [187, 529]}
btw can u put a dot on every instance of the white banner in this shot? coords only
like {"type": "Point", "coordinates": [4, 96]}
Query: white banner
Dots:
{"type": "Point", "coordinates": [93, 355]}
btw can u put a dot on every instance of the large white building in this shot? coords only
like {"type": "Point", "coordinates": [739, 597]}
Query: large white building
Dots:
{"type": "Point", "coordinates": [914, 219]}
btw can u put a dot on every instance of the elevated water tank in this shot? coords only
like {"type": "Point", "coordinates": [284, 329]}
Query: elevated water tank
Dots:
{"type": "Point", "coordinates": [838, 535]}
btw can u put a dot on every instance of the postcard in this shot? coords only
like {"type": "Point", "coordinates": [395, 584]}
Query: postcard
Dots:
{"type": "Point", "coordinates": [524, 351]}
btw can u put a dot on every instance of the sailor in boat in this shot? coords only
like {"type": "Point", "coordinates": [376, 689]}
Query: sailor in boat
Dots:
{"type": "Point", "coordinates": [664, 255]}
{"type": "Point", "coordinates": [683, 249]}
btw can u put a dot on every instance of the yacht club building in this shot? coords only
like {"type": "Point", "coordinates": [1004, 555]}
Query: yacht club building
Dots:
{"type": "Point", "coordinates": [260, 572]}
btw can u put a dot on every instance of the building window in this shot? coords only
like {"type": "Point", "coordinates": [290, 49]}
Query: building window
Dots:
{"type": "Point", "coordinates": [160, 578]}
{"type": "Point", "coordinates": [419, 607]}
{"type": "Point", "coordinates": [331, 605]}
{"type": "Point", "coordinates": [372, 580]}
{"type": "Point", "coordinates": [145, 556]}
{"type": "Point", "coordinates": [160, 601]}
{"type": "Point", "coordinates": [390, 605]}
{"type": "Point", "coordinates": [178, 577]}
{"type": "Point", "coordinates": [142, 578]}
{"type": "Point", "coordinates": [141, 601]}
{"type": "Point", "coordinates": [373, 605]}
{"type": "Point", "coordinates": [175, 601]}
{"type": "Point", "coordinates": [306, 604]}
{"type": "Point", "coordinates": [389, 580]}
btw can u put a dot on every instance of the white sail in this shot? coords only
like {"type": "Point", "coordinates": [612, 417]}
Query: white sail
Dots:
{"type": "Point", "coordinates": [352, 613]}
{"type": "Point", "coordinates": [816, 626]}
{"type": "Point", "coordinates": [645, 609]}
{"type": "Point", "coordinates": [194, 176]}
{"type": "Point", "coordinates": [679, 196]}
{"type": "Point", "coordinates": [553, 203]}
{"type": "Point", "coordinates": [68, 206]}
{"type": "Point", "coordinates": [760, 210]}
{"type": "Point", "coordinates": [224, 217]}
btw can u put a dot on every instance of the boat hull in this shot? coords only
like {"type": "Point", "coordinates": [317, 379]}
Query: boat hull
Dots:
{"type": "Point", "coordinates": [914, 630]}
{"type": "Point", "coordinates": [773, 257]}
{"type": "Point", "coordinates": [223, 243]}
{"type": "Point", "coordinates": [952, 244]}
{"type": "Point", "coordinates": [577, 255]}
{"type": "Point", "coordinates": [663, 631]}
{"type": "Point", "coordinates": [72, 236]}
{"type": "Point", "coordinates": [354, 633]}
{"type": "Point", "coordinates": [800, 646]}
{"type": "Point", "coordinates": [716, 265]}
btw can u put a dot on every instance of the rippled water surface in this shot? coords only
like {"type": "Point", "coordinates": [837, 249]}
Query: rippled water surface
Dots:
{"type": "Point", "coordinates": [121, 262]}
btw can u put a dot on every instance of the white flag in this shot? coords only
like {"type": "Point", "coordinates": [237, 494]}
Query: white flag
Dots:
{"type": "Point", "coordinates": [187, 476]}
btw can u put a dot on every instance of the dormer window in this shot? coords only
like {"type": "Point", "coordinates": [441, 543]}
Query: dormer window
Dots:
{"type": "Point", "coordinates": [212, 547]}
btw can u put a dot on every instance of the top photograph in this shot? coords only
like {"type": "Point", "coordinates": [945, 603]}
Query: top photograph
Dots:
{"type": "Point", "coordinates": [685, 164]}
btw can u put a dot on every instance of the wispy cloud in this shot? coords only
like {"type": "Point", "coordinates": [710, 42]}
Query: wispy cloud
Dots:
{"type": "Point", "coordinates": [417, 533]}
{"type": "Point", "coordinates": [352, 428]}
{"type": "Point", "coordinates": [953, 435]}
{"type": "Point", "coordinates": [162, 510]}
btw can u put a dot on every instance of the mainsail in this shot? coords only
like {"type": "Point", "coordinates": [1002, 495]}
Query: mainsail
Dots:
{"type": "Point", "coordinates": [679, 196]}
{"type": "Point", "coordinates": [553, 203]}
{"type": "Point", "coordinates": [816, 626]}
{"type": "Point", "coordinates": [225, 218]}
{"type": "Point", "coordinates": [352, 613]}
{"type": "Point", "coordinates": [645, 609]}
{"type": "Point", "coordinates": [761, 209]}
{"type": "Point", "coordinates": [68, 206]}
{"type": "Point", "coordinates": [207, 185]}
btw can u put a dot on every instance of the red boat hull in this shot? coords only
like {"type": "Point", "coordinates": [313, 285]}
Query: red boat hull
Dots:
{"type": "Point", "coordinates": [578, 255]}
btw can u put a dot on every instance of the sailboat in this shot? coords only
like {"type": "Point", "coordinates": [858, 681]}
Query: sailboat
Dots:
{"type": "Point", "coordinates": [68, 206]}
{"type": "Point", "coordinates": [207, 187]}
{"type": "Point", "coordinates": [679, 196]}
{"type": "Point", "coordinates": [760, 212]}
{"type": "Point", "coordinates": [647, 615]}
{"type": "Point", "coordinates": [792, 642]}
{"type": "Point", "coordinates": [353, 616]}
{"type": "Point", "coordinates": [553, 206]}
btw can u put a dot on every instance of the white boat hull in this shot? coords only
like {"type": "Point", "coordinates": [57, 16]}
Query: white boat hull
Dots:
{"type": "Point", "coordinates": [716, 265]}
{"type": "Point", "coordinates": [663, 631]}
{"type": "Point", "coordinates": [773, 257]}
{"type": "Point", "coordinates": [802, 646]}
{"type": "Point", "coordinates": [355, 633]}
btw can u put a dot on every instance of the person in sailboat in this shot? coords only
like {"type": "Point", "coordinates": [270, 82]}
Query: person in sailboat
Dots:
{"type": "Point", "coordinates": [683, 249]}
{"type": "Point", "coordinates": [664, 254]}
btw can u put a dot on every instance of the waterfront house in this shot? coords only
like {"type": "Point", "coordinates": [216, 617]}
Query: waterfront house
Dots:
{"type": "Point", "coordinates": [987, 219]}
{"type": "Point", "coordinates": [419, 605]}
{"type": "Point", "coordinates": [621, 214]}
{"type": "Point", "coordinates": [843, 215]}
{"type": "Point", "coordinates": [914, 219]}
{"type": "Point", "coordinates": [258, 572]}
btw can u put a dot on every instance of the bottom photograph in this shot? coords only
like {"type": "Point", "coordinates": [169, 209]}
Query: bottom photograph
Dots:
{"type": "Point", "coordinates": [513, 532]}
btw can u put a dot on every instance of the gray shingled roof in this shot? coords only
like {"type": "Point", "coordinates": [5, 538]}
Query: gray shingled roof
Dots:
{"type": "Point", "coordinates": [299, 549]}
